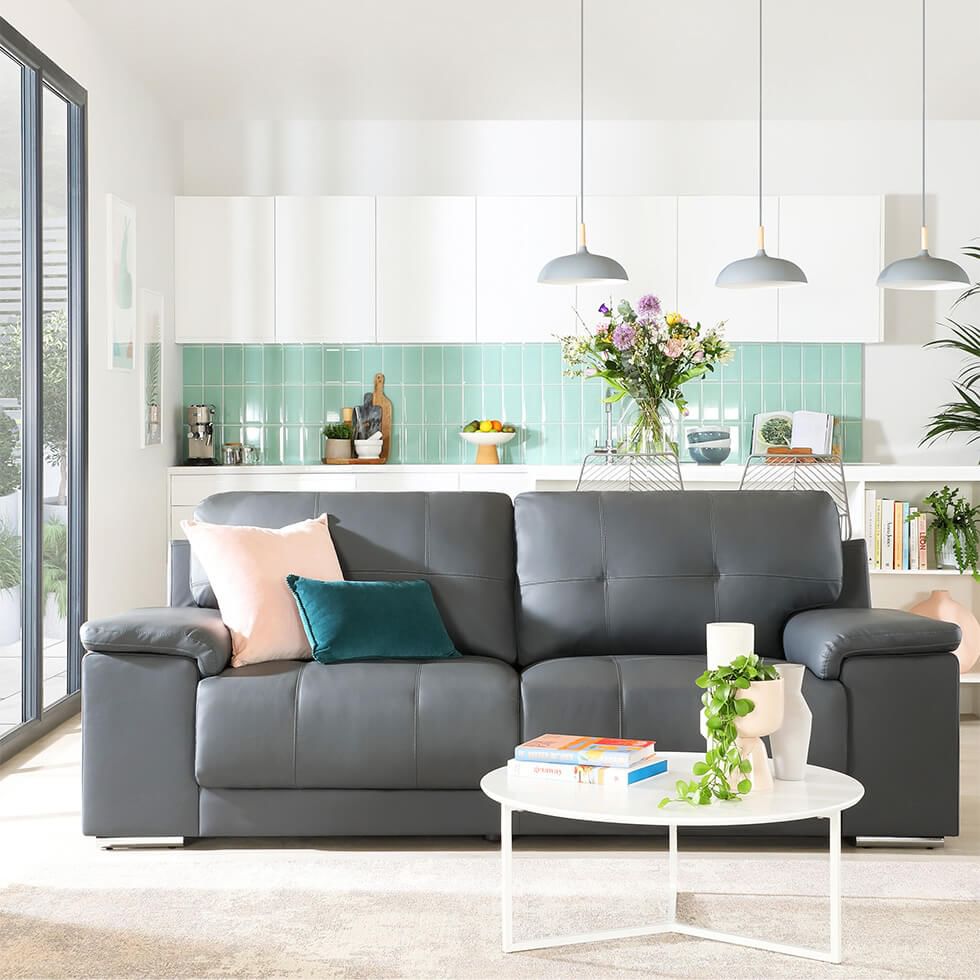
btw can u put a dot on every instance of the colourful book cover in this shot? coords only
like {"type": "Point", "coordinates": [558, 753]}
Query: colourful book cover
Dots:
{"type": "Point", "coordinates": [869, 524]}
{"type": "Point", "coordinates": [923, 526]}
{"type": "Point", "coordinates": [877, 545]}
{"type": "Point", "coordinates": [584, 750]}
{"type": "Point", "coordinates": [913, 539]}
{"type": "Point", "coordinates": [588, 775]}
{"type": "Point", "coordinates": [906, 527]}
{"type": "Point", "coordinates": [897, 538]}
{"type": "Point", "coordinates": [887, 534]}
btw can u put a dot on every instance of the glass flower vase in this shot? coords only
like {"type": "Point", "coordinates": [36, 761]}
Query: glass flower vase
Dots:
{"type": "Point", "coordinates": [652, 427]}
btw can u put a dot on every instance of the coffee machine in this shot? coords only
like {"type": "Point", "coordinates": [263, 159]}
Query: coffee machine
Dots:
{"type": "Point", "coordinates": [200, 435]}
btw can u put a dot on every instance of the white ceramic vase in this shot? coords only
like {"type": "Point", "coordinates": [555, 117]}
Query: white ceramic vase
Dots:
{"type": "Point", "coordinates": [765, 718]}
{"type": "Point", "coordinates": [791, 741]}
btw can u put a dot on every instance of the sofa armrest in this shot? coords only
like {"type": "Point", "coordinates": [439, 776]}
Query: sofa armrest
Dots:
{"type": "Point", "coordinates": [822, 639]}
{"type": "Point", "coordinates": [185, 631]}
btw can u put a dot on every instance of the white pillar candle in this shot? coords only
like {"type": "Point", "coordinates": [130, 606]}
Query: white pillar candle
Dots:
{"type": "Point", "coordinates": [726, 641]}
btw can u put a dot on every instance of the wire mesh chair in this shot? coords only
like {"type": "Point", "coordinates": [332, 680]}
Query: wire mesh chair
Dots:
{"type": "Point", "coordinates": [803, 472]}
{"type": "Point", "coordinates": [630, 471]}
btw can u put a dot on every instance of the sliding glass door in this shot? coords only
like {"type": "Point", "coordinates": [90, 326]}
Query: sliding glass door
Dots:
{"type": "Point", "coordinates": [42, 389]}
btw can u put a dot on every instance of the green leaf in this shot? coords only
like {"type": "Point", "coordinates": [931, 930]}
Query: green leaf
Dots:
{"type": "Point", "coordinates": [745, 765]}
{"type": "Point", "coordinates": [699, 769]}
{"type": "Point", "coordinates": [714, 724]}
{"type": "Point", "coordinates": [744, 786]}
{"type": "Point", "coordinates": [742, 683]}
{"type": "Point", "coordinates": [664, 802]}
{"type": "Point", "coordinates": [744, 706]}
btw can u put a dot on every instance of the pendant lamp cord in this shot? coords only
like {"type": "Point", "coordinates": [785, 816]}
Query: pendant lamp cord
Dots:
{"type": "Point", "coordinates": [581, 112]}
{"type": "Point", "coordinates": [923, 113]}
{"type": "Point", "coordinates": [760, 112]}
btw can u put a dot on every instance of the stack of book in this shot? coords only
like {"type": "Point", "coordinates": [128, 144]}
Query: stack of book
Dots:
{"type": "Point", "coordinates": [583, 759]}
{"type": "Point", "coordinates": [896, 534]}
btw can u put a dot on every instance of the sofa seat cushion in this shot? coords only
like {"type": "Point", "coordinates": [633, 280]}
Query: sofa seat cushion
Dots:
{"type": "Point", "coordinates": [655, 697]}
{"type": "Point", "coordinates": [375, 725]}
{"type": "Point", "coordinates": [621, 697]}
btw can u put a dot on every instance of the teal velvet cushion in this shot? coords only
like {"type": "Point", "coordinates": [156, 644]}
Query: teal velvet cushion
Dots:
{"type": "Point", "coordinates": [370, 620]}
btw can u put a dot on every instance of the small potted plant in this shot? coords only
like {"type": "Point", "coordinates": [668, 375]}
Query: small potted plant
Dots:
{"type": "Point", "coordinates": [733, 693]}
{"type": "Point", "coordinates": [954, 530]}
{"type": "Point", "coordinates": [336, 440]}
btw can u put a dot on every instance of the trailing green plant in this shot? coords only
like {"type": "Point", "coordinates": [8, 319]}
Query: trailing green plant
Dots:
{"type": "Point", "coordinates": [9, 464]}
{"type": "Point", "coordinates": [723, 774]}
{"type": "Point", "coordinates": [9, 559]}
{"type": "Point", "coordinates": [954, 520]}
{"type": "Point", "coordinates": [54, 565]}
{"type": "Point", "coordinates": [337, 430]}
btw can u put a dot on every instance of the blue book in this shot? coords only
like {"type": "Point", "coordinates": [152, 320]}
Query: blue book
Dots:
{"type": "Point", "coordinates": [905, 535]}
{"type": "Point", "coordinates": [587, 775]}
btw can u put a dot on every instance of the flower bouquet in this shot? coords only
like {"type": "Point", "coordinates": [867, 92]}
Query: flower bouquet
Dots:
{"type": "Point", "coordinates": [647, 356]}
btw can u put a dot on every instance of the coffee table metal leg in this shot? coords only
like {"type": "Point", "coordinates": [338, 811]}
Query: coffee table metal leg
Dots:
{"type": "Point", "coordinates": [672, 873]}
{"type": "Point", "coordinates": [835, 888]}
{"type": "Point", "coordinates": [506, 878]}
{"type": "Point", "coordinates": [833, 955]}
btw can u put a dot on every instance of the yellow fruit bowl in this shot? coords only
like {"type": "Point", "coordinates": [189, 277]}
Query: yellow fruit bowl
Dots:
{"type": "Point", "coordinates": [486, 443]}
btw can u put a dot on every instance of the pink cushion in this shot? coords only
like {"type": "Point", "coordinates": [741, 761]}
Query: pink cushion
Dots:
{"type": "Point", "coordinates": [247, 568]}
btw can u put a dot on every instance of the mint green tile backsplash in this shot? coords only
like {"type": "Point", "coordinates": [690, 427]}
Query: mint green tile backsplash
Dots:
{"type": "Point", "coordinates": [277, 397]}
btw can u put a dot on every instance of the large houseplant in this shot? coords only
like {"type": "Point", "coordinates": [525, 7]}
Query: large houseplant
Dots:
{"type": "Point", "coordinates": [724, 773]}
{"type": "Point", "coordinates": [962, 414]}
{"type": "Point", "coordinates": [648, 356]}
{"type": "Point", "coordinates": [954, 530]}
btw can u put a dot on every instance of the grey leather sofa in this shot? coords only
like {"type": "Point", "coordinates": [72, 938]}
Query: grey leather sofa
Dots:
{"type": "Point", "coordinates": [574, 612]}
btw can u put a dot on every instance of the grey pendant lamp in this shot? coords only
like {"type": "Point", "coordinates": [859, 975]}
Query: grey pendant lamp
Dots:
{"type": "Point", "coordinates": [581, 266]}
{"type": "Point", "coordinates": [923, 271]}
{"type": "Point", "coordinates": [760, 271]}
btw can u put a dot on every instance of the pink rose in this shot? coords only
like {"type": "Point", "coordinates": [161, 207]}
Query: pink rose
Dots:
{"type": "Point", "coordinates": [675, 347]}
{"type": "Point", "coordinates": [698, 356]}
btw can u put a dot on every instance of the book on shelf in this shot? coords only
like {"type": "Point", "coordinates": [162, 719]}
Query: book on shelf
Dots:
{"type": "Point", "coordinates": [588, 775]}
{"type": "Point", "coordinates": [895, 533]}
{"type": "Point", "coordinates": [887, 533]}
{"type": "Point", "coordinates": [584, 750]}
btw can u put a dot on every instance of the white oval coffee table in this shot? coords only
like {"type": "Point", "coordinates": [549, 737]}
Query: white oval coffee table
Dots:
{"type": "Point", "coordinates": [823, 793]}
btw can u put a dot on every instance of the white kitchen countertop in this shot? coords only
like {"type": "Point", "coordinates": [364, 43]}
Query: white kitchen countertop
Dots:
{"type": "Point", "coordinates": [726, 473]}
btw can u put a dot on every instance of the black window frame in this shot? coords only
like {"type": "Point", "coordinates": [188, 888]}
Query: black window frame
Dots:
{"type": "Point", "coordinates": [39, 71]}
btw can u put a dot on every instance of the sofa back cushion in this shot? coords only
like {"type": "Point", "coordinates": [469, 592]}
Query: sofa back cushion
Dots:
{"type": "Point", "coordinates": [613, 574]}
{"type": "Point", "coordinates": [462, 544]}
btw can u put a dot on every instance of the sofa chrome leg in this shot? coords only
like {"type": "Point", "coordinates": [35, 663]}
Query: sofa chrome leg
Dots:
{"type": "Point", "coordinates": [127, 843]}
{"type": "Point", "coordinates": [926, 842]}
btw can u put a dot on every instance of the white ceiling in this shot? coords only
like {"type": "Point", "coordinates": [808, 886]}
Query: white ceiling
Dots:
{"type": "Point", "coordinates": [517, 59]}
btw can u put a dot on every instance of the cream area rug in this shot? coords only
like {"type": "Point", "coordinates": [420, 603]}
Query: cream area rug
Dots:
{"type": "Point", "coordinates": [365, 909]}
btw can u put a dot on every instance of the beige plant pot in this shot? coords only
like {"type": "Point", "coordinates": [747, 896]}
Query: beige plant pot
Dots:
{"type": "Point", "coordinates": [764, 719]}
{"type": "Point", "coordinates": [337, 449]}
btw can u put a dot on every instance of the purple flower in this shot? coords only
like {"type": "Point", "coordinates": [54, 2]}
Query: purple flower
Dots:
{"type": "Point", "coordinates": [648, 304]}
{"type": "Point", "coordinates": [624, 337]}
{"type": "Point", "coordinates": [604, 310]}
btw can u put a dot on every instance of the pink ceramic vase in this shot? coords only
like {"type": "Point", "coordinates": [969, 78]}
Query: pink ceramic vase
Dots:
{"type": "Point", "coordinates": [942, 606]}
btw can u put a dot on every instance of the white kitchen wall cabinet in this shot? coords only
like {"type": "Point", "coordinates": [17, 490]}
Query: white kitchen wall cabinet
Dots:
{"type": "Point", "coordinates": [515, 237]}
{"type": "Point", "coordinates": [426, 269]}
{"type": "Point", "coordinates": [224, 269]}
{"type": "Point", "coordinates": [325, 264]}
{"type": "Point", "coordinates": [711, 232]}
{"type": "Point", "coordinates": [837, 241]}
{"type": "Point", "coordinates": [641, 234]}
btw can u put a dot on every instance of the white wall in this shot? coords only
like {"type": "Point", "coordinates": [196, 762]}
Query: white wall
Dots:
{"type": "Point", "coordinates": [903, 385]}
{"type": "Point", "coordinates": [134, 152]}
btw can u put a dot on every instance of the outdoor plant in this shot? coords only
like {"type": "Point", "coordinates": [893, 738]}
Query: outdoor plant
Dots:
{"type": "Point", "coordinates": [9, 559]}
{"type": "Point", "coordinates": [9, 464]}
{"type": "Point", "coordinates": [54, 565]}
{"type": "Point", "coordinates": [337, 430]}
{"type": "Point", "coordinates": [649, 356]}
{"type": "Point", "coordinates": [54, 386]}
{"type": "Point", "coordinates": [723, 774]}
{"type": "Point", "coordinates": [954, 519]}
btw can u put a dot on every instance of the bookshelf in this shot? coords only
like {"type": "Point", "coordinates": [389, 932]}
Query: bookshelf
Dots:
{"type": "Point", "coordinates": [902, 588]}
